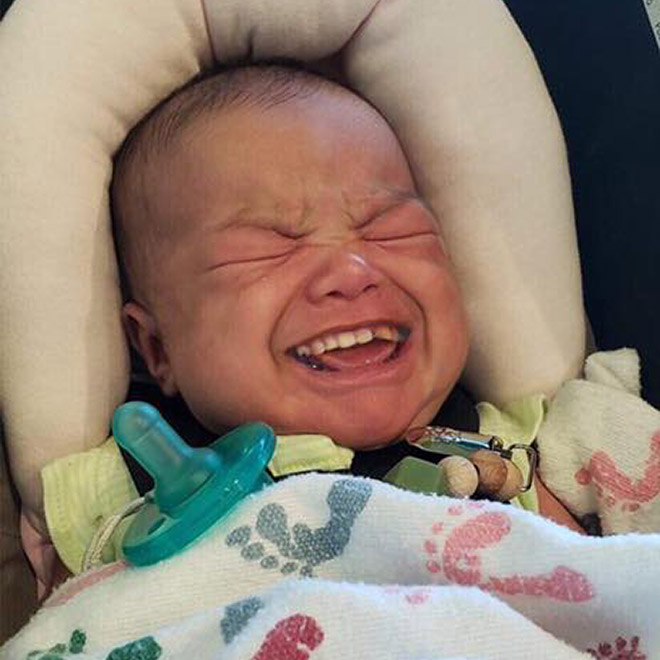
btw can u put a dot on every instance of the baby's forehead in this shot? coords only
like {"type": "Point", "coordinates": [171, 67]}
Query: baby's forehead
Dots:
{"type": "Point", "coordinates": [252, 90]}
{"type": "Point", "coordinates": [248, 145]}
{"type": "Point", "coordinates": [187, 135]}
{"type": "Point", "coordinates": [175, 152]}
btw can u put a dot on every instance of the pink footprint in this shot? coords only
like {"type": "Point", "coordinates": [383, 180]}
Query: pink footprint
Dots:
{"type": "Point", "coordinates": [291, 639]}
{"type": "Point", "coordinates": [461, 563]}
{"type": "Point", "coordinates": [605, 475]}
{"type": "Point", "coordinates": [563, 584]}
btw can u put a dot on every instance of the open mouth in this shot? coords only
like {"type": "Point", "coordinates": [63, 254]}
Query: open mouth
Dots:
{"type": "Point", "coordinates": [364, 346]}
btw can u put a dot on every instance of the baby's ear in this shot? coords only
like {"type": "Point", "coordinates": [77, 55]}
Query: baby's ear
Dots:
{"type": "Point", "coordinates": [143, 334]}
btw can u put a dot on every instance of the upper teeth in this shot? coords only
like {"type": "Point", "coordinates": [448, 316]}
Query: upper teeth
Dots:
{"type": "Point", "coordinates": [348, 339]}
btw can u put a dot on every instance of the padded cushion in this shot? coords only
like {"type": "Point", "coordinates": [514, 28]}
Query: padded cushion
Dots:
{"type": "Point", "coordinates": [454, 77]}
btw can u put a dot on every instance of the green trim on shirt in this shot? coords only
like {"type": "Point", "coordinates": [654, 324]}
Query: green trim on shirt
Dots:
{"type": "Point", "coordinates": [80, 492]}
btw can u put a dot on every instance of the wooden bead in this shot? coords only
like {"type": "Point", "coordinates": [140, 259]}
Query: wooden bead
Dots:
{"type": "Point", "coordinates": [459, 475]}
{"type": "Point", "coordinates": [492, 471]}
{"type": "Point", "coordinates": [513, 483]}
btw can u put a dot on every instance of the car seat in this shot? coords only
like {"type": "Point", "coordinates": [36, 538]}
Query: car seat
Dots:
{"type": "Point", "coordinates": [458, 83]}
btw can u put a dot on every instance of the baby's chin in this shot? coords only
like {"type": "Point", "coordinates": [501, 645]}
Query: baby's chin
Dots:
{"type": "Point", "coordinates": [356, 422]}
{"type": "Point", "coordinates": [361, 432]}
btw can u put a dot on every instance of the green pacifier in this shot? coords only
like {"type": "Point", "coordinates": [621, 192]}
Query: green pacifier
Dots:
{"type": "Point", "coordinates": [194, 488]}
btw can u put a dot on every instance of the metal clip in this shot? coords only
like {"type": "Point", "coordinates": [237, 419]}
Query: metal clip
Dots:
{"type": "Point", "coordinates": [432, 438]}
{"type": "Point", "coordinates": [532, 461]}
{"type": "Point", "coordinates": [442, 439]}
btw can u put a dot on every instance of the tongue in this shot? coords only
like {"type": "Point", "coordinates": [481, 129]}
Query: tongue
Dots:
{"type": "Point", "coordinates": [364, 355]}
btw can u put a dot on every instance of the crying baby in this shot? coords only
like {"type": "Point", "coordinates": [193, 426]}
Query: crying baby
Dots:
{"type": "Point", "coordinates": [280, 262]}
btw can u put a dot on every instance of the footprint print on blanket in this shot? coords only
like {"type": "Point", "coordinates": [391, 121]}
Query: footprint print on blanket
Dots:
{"type": "Point", "coordinates": [459, 559]}
{"type": "Point", "coordinates": [292, 638]}
{"type": "Point", "coordinates": [237, 616]}
{"type": "Point", "coordinates": [615, 487]}
{"type": "Point", "coordinates": [301, 548]}
{"type": "Point", "coordinates": [621, 649]}
{"type": "Point", "coordinates": [145, 648]}
{"type": "Point", "coordinates": [76, 645]}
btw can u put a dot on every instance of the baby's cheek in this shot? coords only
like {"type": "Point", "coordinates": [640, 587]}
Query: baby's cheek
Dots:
{"type": "Point", "coordinates": [445, 311]}
{"type": "Point", "coordinates": [431, 281]}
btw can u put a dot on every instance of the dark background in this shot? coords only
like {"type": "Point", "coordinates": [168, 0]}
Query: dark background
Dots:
{"type": "Point", "coordinates": [602, 67]}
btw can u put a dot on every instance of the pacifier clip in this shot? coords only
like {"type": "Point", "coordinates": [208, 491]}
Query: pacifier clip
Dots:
{"type": "Point", "coordinates": [473, 465]}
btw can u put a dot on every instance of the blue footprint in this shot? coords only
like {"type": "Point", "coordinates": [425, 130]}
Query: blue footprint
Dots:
{"type": "Point", "coordinates": [303, 547]}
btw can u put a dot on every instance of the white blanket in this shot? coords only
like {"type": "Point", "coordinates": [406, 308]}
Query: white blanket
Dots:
{"type": "Point", "coordinates": [326, 567]}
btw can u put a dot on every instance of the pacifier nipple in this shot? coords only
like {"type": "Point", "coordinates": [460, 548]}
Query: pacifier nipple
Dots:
{"type": "Point", "coordinates": [177, 469]}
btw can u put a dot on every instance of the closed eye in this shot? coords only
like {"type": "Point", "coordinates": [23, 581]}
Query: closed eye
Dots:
{"type": "Point", "coordinates": [401, 237]}
{"type": "Point", "coordinates": [249, 260]}
{"type": "Point", "coordinates": [400, 223]}
{"type": "Point", "coordinates": [247, 246]}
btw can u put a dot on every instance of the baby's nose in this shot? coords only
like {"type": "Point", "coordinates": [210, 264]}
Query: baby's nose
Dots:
{"type": "Point", "coordinates": [346, 274]}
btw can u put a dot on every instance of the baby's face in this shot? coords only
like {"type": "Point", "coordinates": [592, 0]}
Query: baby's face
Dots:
{"type": "Point", "coordinates": [299, 231]}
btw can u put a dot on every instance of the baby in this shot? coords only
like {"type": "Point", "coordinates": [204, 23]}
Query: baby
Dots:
{"type": "Point", "coordinates": [280, 266]}
{"type": "Point", "coordinates": [281, 263]}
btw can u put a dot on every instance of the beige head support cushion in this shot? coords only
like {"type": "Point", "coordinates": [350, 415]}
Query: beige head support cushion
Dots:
{"type": "Point", "coordinates": [454, 77]}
